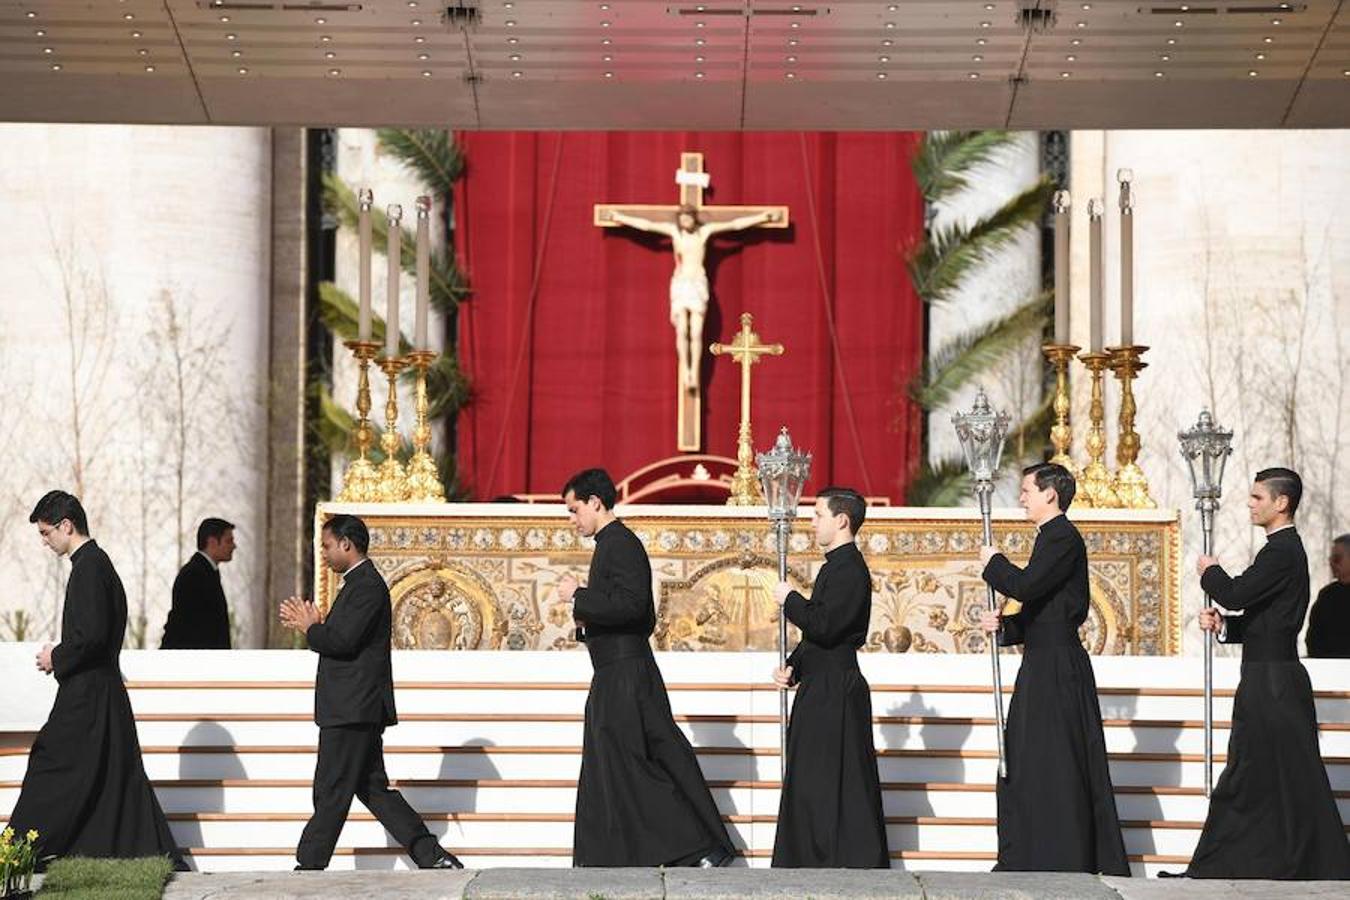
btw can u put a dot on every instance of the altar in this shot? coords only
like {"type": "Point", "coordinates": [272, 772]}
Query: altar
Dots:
{"type": "Point", "coordinates": [481, 576]}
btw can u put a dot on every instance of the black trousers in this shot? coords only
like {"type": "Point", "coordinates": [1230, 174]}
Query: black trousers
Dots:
{"type": "Point", "coordinates": [351, 764]}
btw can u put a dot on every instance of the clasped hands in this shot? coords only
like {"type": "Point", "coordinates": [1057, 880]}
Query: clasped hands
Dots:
{"type": "Point", "coordinates": [299, 614]}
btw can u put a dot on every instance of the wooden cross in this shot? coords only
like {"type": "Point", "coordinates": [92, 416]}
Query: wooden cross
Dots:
{"type": "Point", "coordinates": [746, 350]}
{"type": "Point", "coordinates": [692, 180]}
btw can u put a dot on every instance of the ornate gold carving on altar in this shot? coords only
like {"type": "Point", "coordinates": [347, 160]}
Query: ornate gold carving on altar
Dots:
{"type": "Point", "coordinates": [487, 581]}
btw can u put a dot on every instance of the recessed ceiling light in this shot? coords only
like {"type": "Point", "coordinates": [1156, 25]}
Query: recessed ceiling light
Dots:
{"type": "Point", "coordinates": [1260, 56]}
{"type": "Point", "coordinates": [419, 40]}
{"type": "Point", "coordinates": [989, 6]}
{"type": "Point", "coordinates": [56, 67]}
{"type": "Point", "coordinates": [514, 56]}
{"type": "Point", "coordinates": [511, 23]}
{"type": "Point", "coordinates": [1087, 6]}
{"type": "Point", "coordinates": [1166, 57]}
{"type": "Point", "coordinates": [1080, 24]}
{"type": "Point", "coordinates": [135, 34]}
{"type": "Point", "coordinates": [1346, 73]}
{"type": "Point", "coordinates": [699, 42]}
{"type": "Point", "coordinates": [417, 23]}
{"type": "Point", "coordinates": [412, 4]}
{"type": "Point", "coordinates": [794, 74]}
{"type": "Point", "coordinates": [879, 58]}
{"type": "Point", "coordinates": [1076, 41]}
{"type": "Point", "coordinates": [1178, 23]}
{"type": "Point", "coordinates": [224, 18]}
{"type": "Point", "coordinates": [696, 25]}
{"type": "Point", "coordinates": [698, 74]}
{"type": "Point", "coordinates": [881, 75]}
{"type": "Point", "coordinates": [243, 71]}
{"type": "Point", "coordinates": [128, 16]}
{"type": "Point", "coordinates": [893, 7]}
{"type": "Point", "coordinates": [40, 33]}
{"type": "Point", "coordinates": [509, 5]}
{"type": "Point", "coordinates": [792, 42]}
{"type": "Point", "coordinates": [330, 55]}
{"type": "Point", "coordinates": [981, 41]}
{"type": "Point", "coordinates": [1063, 74]}
{"type": "Point", "coordinates": [30, 14]}
{"type": "Point", "coordinates": [334, 71]}
{"type": "Point", "coordinates": [426, 74]}
{"type": "Point", "coordinates": [607, 58]}
{"type": "Point", "coordinates": [605, 24]}
{"type": "Point", "coordinates": [321, 21]}
{"type": "Point", "coordinates": [517, 74]}
{"type": "Point", "coordinates": [1276, 22]}
{"type": "Point", "coordinates": [517, 41]}
{"type": "Point", "coordinates": [1252, 74]}
{"type": "Point", "coordinates": [1267, 40]}
{"type": "Point", "coordinates": [231, 37]}
{"type": "Point", "coordinates": [149, 68]}
{"type": "Point", "coordinates": [799, 25]}
{"type": "Point", "coordinates": [973, 75]}
{"type": "Point", "coordinates": [703, 58]}
{"type": "Point", "coordinates": [144, 52]}
{"type": "Point", "coordinates": [1070, 58]}
{"type": "Point", "coordinates": [609, 74]}
{"type": "Point", "coordinates": [984, 24]}
{"type": "Point", "coordinates": [890, 24]}
{"type": "Point", "coordinates": [424, 56]}
{"type": "Point", "coordinates": [1171, 41]}
{"type": "Point", "coordinates": [236, 53]}
{"type": "Point", "coordinates": [1157, 74]}
{"type": "Point", "coordinates": [47, 50]}
{"type": "Point", "coordinates": [604, 6]}
{"type": "Point", "coordinates": [888, 43]}
{"type": "Point", "coordinates": [978, 58]}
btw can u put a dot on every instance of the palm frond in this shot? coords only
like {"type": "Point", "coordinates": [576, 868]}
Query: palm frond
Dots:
{"type": "Point", "coordinates": [335, 426]}
{"type": "Point", "coordinates": [951, 254]}
{"type": "Point", "coordinates": [340, 313]}
{"type": "Point", "coordinates": [975, 352]}
{"type": "Point", "coordinates": [447, 387]}
{"type": "Point", "coordinates": [430, 153]}
{"type": "Point", "coordinates": [946, 158]}
{"type": "Point", "coordinates": [1032, 435]}
{"type": "Point", "coordinates": [447, 286]}
{"type": "Point", "coordinates": [942, 483]}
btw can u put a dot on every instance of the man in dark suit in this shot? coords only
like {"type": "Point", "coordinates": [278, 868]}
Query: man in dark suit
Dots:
{"type": "Point", "coordinates": [200, 618]}
{"type": "Point", "coordinates": [354, 703]}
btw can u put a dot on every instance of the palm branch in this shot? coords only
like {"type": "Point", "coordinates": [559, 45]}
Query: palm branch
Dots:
{"type": "Point", "coordinates": [942, 483]}
{"type": "Point", "coordinates": [968, 355]}
{"type": "Point", "coordinates": [428, 152]}
{"type": "Point", "coordinates": [946, 158]}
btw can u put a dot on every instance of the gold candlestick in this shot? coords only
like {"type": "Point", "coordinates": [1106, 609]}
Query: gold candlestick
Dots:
{"type": "Point", "coordinates": [1094, 486]}
{"type": "Point", "coordinates": [1130, 485]}
{"type": "Point", "coordinates": [1061, 433]}
{"type": "Point", "coordinates": [424, 484]}
{"type": "Point", "coordinates": [361, 480]}
{"type": "Point", "coordinates": [393, 486]}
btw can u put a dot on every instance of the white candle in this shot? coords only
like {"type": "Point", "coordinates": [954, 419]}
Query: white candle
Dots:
{"type": "Point", "coordinates": [393, 252]}
{"type": "Point", "coordinates": [363, 229]}
{"type": "Point", "coordinates": [1062, 205]}
{"type": "Point", "coordinates": [1125, 176]}
{"type": "Point", "coordinates": [1095, 274]}
{"type": "Point", "coordinates": [423, 272]}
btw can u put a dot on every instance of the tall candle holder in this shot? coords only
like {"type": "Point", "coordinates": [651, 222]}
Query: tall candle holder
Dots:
{"type": "Point", "coordinates": [393, 484]}
{"type": "Point", "coordinates": [361, 480]}
{"type": "Point", "coordinates": [424, 483]}
{"type": "Point", "coordinates": [1095, 483]}
{"type": "Point", "coordinates": [1061, 433]}
{"type": "Point", "coordinates": [1129, 485]}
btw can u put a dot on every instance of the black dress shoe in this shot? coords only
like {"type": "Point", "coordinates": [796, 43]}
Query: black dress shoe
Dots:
{"type": "Point", "coordinates": [446, 861]}
{"type": "Point", "coordinates": [716, 859]}
{"type": "Point", "coordinates": [1173, 875]}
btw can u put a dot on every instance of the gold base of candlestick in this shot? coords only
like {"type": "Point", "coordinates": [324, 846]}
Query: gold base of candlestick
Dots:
{"type": "Point", "coordinates": [1061, 433]}
{"type": "Point", "coordinates": [393, 486]}
{"type": "Point", "coordinates": [361, 480]}
{"type": "Point", "coordinates": [1094, 485]}
{"type": "Point", "coordinates": [424, 482]}
{"type": "Point", "coordinates": [745, 489]}
{"type": "Point", "coordinates": [1130, 485]}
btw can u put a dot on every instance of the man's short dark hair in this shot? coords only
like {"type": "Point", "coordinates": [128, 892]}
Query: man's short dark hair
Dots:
{"type": "Point", "coordinates": [1052, 475]}
{"type": "Point", "coordinates": [1282, 482]}
{"type": "Point", "coordinates": [212, 528]}
{"type": "Point", "coordinates": [351, 528]}
{"type": "Point", "coordinates": [1342, 541]}
{"type": "Point", "coordinates": [590, 483]}
{"type": "Point", "coordinates": [56, 506]}
{"type": "Point", "coordinates": [848, 503]}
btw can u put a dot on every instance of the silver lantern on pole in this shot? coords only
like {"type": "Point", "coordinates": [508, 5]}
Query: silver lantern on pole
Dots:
{"type": "Point", "coordinates": [1206, 448]}
{"type": "Point", "coordinates": [783, 472]}
{"type": "Point", "coordinates": [981, 433]}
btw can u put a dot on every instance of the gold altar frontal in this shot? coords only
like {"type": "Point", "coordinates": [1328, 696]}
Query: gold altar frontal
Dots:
{"type": "Point", "coordinates": [469, 576]}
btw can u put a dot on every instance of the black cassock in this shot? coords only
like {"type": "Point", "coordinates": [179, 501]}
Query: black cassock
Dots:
{"type": "Point", "coordinates": [830, 813]}
{"type": "Point", "coordinates": [641, 797]}
{"type": "Point", "coordinates": [200, 618]}
{"type": "Point", "coordinates": [1329, 623]}
{"type": "Point", "coordinates": [1272, 813]}
{"type": "Point", "coordinates": [85, 791]}
{"type": "Point", "coordinates": [1056, 808]}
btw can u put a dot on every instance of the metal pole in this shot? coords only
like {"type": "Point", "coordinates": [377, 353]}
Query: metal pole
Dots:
{"type": "Point", "coordinates": [984, 490]}
{"type": "Point", "coordinates": [1207, 505]}
{"type": "Point", "coordinates": [783, 527]}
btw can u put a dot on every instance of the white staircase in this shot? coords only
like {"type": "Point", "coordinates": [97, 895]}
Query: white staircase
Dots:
{"type": "Point", "coordinates": [488, 749]}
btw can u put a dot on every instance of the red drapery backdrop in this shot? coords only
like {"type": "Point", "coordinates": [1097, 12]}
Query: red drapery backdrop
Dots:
{"type": "Point", "coordinates": [567, 338]}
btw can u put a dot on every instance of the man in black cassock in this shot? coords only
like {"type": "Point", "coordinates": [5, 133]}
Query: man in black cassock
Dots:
{"type": "Point", "coordinates": [1329, 620]}
{"type": "Point", "coordinates": [1272, 813]}
{"type": "Point", "coordinates": [354, 703]}
{"type": "Point", "coordinates": [829, 815]}
{"type": "Point", "coordinates": [1056, 808]}
{"type": "Point", "coordinates": [85, 791]}
{"type": "Point", "coordinates": [641, 797]}
{"type": "Point", "coordinates": [200, 618]}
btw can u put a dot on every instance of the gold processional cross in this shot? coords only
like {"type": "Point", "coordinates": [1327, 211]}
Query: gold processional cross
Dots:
{"type": "Point", "coordinates": [692, 180]}
{"type": "Point", "coordinates": [746, 350]}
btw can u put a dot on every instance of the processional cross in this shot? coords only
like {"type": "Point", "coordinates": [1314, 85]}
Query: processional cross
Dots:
{"type": "Point", "coordinates": [689, 226]}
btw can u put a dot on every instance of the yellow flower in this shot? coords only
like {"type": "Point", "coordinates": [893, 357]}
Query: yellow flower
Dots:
{"type": "Point", "coordinates": [6, 836]}
{"type": "Point", "coordinates": [32, 835]}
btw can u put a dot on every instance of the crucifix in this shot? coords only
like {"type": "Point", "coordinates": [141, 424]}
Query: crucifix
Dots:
{"type": "Point", "coordinates": [746, 350]}
{"type": "Point", "coordinates": [689, 226]}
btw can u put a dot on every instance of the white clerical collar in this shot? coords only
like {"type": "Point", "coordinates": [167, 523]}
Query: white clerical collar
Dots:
{"type": "Point", "coordinates": [354, 568]}
{"type": "Point", "coordinates": [206, 556]}
{"type": "Point", "coordinates": [1278, 530]}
